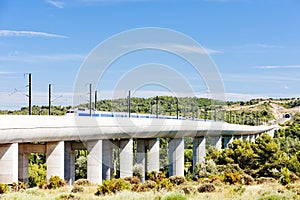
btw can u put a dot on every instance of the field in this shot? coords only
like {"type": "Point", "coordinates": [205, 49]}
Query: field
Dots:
{"type": "Point", "coordinates": [223, 191]}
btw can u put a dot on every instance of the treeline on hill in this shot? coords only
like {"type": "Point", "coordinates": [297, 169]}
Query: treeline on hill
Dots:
{"type": "Point", "coordinates": [277, 157]}
{"type": "Point", "coordinates": [189, 107]}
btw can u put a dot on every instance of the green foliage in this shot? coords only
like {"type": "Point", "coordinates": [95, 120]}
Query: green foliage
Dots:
{"type": "Point", "coordinates": [4, 188]}
{"type": "Point", "coordinates": [56, 182]}
{"type": "Point", "coordinates": [232, 177]}
{"type": "Point", "coordinates": [37, 110]}
{"type": "Point", "coordinates": [81, 167]}
{"type": "Point", "coordinates": [287, 176]}
{"type": "Point", "coordinates": [174, 196]}
{"type": "Point", "coordinates": [112, 186]}
{"type": "Point", "coordinates": [239, 189]}
{"type": "Point", "coordinates": [206, 169]}
{"type": "Point", "coordinates": [292, 103]}
{"type": "Point", "coordinates": [36, 174]}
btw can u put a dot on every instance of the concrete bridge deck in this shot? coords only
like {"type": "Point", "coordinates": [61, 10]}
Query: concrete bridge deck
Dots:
{"type": "Point", "coordinates": [99, 136]}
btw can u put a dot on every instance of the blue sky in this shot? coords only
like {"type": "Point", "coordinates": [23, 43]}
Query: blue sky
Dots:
{"type": "Point", "coordinates": [255, 44]}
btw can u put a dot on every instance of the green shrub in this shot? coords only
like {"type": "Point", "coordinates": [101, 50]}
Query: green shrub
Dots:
{"type": "Point", "coordinates": [3, 188]}
{"type": "Point", "coordinates": [77, 189]}
{"type": "Point", "coordinates": [81, 167]}
{"type": "Point", "coordinates": [174, 196]}
{"type": "Point", "coordinates": [207, 187]}
{"type": "Point", "coordinates": [232, 177]}
{"type": "Point", "coordinates": [177, 180]}
{"type": "Point", "coordinates": [43, 185]}
{"type": "Point", "coordinates": [56, 182]}
{"type": "Point", "coordinates": [206, 169]}
{"type": "Point", "coordinates": [287, 176]}
{"type": "Point", "coordinates": [164, 184]}
{"type": "Point", "coordinates": [112, 186]}
{"type": "Point", "coordinates": [36, 174]}
{"type": "Point", "coordinates": [82, 182]}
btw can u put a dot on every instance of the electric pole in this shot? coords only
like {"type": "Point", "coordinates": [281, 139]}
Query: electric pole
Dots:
{"type": "Point", "coordinates": [156, 99]}
{"type": "Point", "coordinates": [29, 94]}
{"type": "Point", "coordinates": [177, 108]}
{"type": "Point", "coordinates": [128, 103]}
{"type": "Point", "coordinates": [90, 99]}
{"type": "Point", "coordinates": [49, 100]}
{"type": "Point", "coordinates": [96, 100]}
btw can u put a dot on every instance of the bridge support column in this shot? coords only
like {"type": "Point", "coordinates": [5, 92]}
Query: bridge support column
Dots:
{"type": "Point", "coordinates": [252, 138]}
{"type": "Point", "coordinates": [227, 140]}
{"type": "Point", "coordinates": [141, 155]}
{"type": "Point", "coordinates": [8, 163]}
{"type": "Point", "coordinates": [23, 165]}
{"type": "Point", "coordinates": [94, 161]}
{"type": "Point", "coordinates": [69, 165]}
{"type": "Point", "coordinates": [176, 157]}
{"type": "Point", "coordinates": [216, 141]}
{"type": "Point", "coordinates": [107, 165]}
{"type": "Point", "coordinates": [198, 150]}
{"type": "Point", "coordinates": [55, 159]}
{"type": "Point", "coordinates": [126, 157]}
{"type": "Point", "coordinates": [245, 137]}
{"type": "Point", "coordinates": [271, 132]}
{"type": "Point", "coordinates": [153, 156]}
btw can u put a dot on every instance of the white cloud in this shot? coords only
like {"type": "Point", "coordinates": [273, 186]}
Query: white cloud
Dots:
{"type": "Point", "coordinates": [242, 97]}
{"type": "Point", "coordinates": [278, 67]}
{"type": "Point", "coordinates": [57, 4]}
{"type": "Point", "coordinates": [262, 45]}
{"type": "Point", "coordinates": [14, 33]}
{"type": "Point", "coordinates": [30, 58]}
{"type": "Point", "coordinates": [176, 47]}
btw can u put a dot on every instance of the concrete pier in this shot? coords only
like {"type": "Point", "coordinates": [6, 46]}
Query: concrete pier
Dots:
{"type": "Point", "coordinates": [126, 157]}
{"type": "Point", "coordinates": [55, 159]}
{"type": "Point", "coordinates": [216, 141]}
{"type": "Point", "coordinates": [107, 165]}
{"type": "Point", "coordinates": [69, 167]}
{"type": "Point", "coordinates": [153, 155]}
{"type": "Point", "coordinates": [198, 150]}
{"type": "Point", "coordinates": [227, 140]}
{"type": "Point", "coordinates": [94, 161]}
{"type": "Point", "coordinates": [141, 154]}
{"type": "Point", "coordinates": [9, 163]}
{"type": "Point", "coordinates": [176, 157]}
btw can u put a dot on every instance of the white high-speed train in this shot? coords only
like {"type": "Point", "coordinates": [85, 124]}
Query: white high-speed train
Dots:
{"type": "Point", "coordinates": [86, 112]}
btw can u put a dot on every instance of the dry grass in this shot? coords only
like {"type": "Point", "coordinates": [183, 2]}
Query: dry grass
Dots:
{"type": "Point", "coordinates": [223, 192]}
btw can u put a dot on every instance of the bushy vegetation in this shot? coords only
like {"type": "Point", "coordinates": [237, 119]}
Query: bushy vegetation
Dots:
{"type": "Point", "coordinates": [36, 174]}
{"type": "Point", "coordinates": [4, 188]}
{"type": "Point", "coordinates": [56, 182]}
{"type": "Point", "coordinates": [112, 186]}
